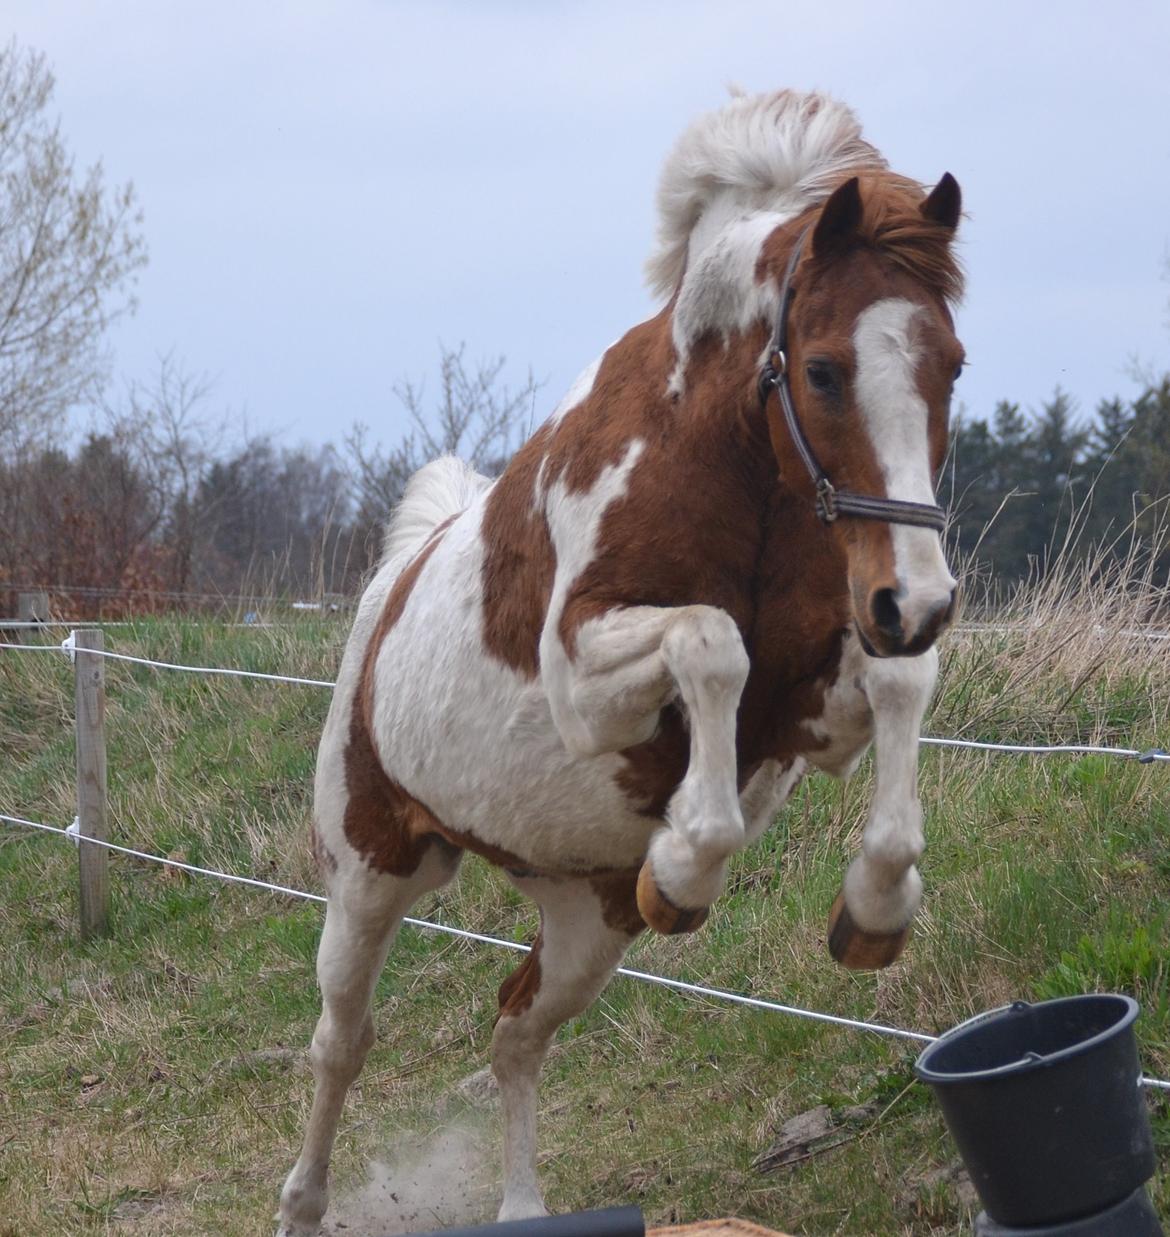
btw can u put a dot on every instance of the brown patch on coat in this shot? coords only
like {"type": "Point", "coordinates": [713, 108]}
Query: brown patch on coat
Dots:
{"type": "Point", "coordinates": [707, 521]}
{"type": "Point", "coordinates": [617, 893]}
{"type": "Point", "coordinates": [496, 855]}
{"type": "Point", "coordinates": [628, 399]}
{"type": "Point", "coordinates": [388, 827]}
{"type": "Point", "coordinates": [687, 531]}
{"type": "Point", "coordinates": [518, 562]}
{"type": "Point", "coordinates": [653, 770]}
{"type": "Point", "coordinates": [519, 990]}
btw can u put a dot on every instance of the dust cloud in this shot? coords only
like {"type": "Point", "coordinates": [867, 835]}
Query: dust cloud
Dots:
{"type": "Point", "coordinates": [446, 1180]}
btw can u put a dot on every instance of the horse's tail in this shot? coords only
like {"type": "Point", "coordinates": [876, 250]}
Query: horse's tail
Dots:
{"type": "Point", "coordinates": [439, 490]}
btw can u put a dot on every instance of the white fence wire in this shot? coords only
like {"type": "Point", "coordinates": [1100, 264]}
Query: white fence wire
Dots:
{"type": "Point", "coordinates": [1147, 756]}
{"type": "Point", "coordinates": [716, 994]}
{"type": "Point", "coordinates": [426, 925]}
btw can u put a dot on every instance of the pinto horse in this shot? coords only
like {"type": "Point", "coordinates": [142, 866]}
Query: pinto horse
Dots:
{"type": "Point", "coordinates": [716, 566]}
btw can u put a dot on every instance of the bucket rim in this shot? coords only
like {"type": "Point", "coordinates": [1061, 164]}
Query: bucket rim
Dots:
{"type": "Point", "coordinates": [1023, 1065]}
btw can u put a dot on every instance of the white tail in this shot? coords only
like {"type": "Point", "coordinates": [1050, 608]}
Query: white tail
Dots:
{"type": "Point", "coordinates": [440, 489]}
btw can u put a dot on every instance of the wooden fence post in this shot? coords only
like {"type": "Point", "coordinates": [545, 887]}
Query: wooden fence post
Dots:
{"type": "Point", "coordinates": [31, 608]}
{"type": "Point", "coordinates": [90, 695]}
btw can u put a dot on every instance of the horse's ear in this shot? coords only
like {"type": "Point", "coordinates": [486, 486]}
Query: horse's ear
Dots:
{"type": "Point", "coordinates": [945, 203]}
{"type": "Point", "coordinates": [839, 219]}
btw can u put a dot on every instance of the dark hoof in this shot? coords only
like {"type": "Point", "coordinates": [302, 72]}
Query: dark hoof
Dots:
{"type": "Point", "coordinates": [659, 912]}
{"type": "Point", "coordinates": [856, 949]}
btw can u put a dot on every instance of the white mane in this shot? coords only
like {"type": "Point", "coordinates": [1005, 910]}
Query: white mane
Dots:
{"type": "Point", "coordinates": [778, 152]}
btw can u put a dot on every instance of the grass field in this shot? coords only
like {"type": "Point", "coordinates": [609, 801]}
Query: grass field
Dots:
{"type": "Point", "coordinates": [154, 1082]}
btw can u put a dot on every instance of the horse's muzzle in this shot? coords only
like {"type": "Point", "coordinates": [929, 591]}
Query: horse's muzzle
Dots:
{"type": "Point", "coordinates": [885, 634]}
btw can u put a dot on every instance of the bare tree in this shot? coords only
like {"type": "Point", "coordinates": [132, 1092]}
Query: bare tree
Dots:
{"type": "Point", "coordinates": [475, 417]}
{"type": "Point", "coordinates": [175, 437]}
{"type": "Point", "coordinates": [68, 251]}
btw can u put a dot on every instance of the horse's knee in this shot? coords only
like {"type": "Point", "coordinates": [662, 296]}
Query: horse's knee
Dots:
{"type": "Point", "coordinates": [703, 646]}
{"type": "Point", "coordinates": [338, 1052]}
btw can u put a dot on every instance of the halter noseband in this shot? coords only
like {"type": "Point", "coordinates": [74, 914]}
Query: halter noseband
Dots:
{"type": "Point", "coordinates": [831, 502]}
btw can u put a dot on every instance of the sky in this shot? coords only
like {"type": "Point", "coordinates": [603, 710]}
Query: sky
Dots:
{"type": "Point", "coordinates": [330, 191]}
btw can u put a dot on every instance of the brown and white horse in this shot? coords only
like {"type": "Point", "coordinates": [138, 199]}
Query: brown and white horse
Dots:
{"type": "Point", "coordinates": [606, 671]}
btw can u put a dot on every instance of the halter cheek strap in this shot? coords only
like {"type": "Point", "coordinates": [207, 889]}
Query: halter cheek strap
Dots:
{"type": "Point", "coordinates": [830, 502]}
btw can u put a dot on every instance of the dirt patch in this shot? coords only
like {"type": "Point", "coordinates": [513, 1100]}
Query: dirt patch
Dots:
{"type": "Point", "coordinates": [443, 1181]}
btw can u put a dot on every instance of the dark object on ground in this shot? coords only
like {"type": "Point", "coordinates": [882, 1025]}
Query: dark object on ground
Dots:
{"type": "Point", "coordinates": [612, 1222]}
{"type": "Point", "coordinates": [1046, 1105]}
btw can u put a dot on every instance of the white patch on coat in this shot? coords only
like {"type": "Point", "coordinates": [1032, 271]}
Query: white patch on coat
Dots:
{"type": "Point", "coordinates": [720, 292]}
{"type": "Point", "coordinates": [887, 355]}
{"type": "Point", "coordinates": [845, 726]}
{"type": "Point", "coordinates": [574, 521]}
{"type": "Point", "coordinates": [880, 700]}
{"type": "Point", "coordinates": [578, 393]}
{"type": "Point", "coordinates": [578, 954]}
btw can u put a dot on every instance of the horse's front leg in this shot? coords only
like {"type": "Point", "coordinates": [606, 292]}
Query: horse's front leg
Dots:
{"type": "Point", "coordinates": [870, 921]}
{"type": "Point", "coordinates": [624, 666]}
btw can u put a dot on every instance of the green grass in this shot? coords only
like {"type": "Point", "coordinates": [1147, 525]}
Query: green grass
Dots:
{"type": "Point", "coordinates": [154, 1081]}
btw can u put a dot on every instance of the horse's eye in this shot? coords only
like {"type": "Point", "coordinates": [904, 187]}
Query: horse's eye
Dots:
{"type": "Point", "coordinates": [958, 372]}
{"type": "Point", "coordinates": [822, 377]}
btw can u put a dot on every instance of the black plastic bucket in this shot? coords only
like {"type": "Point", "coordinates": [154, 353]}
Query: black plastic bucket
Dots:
{"type": "Point", "coordinates": [1046, 1105]}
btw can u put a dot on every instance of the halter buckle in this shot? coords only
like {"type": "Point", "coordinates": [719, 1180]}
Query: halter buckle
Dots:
{"type": "Point", "coordinates": [826, 501]}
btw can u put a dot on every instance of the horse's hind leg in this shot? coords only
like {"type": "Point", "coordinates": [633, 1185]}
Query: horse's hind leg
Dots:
{"type": "Point", "coordinates": [363, 914]}
{"type": "Point", "coordinates": [586, 927]}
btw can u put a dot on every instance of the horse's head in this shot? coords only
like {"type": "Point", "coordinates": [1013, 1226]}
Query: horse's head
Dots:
{"type": "Point", "coordinates": [870, 358]}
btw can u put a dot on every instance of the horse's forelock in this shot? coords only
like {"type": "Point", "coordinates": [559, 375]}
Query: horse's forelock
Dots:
{"type": "Point", "coordinates": [892, 224]}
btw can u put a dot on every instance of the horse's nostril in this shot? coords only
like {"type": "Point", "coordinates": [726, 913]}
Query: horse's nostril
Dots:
{"type": "Point", "coordinates": [887, 614]}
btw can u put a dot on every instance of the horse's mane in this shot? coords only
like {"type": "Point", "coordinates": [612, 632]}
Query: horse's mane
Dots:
{"type": "Point", "coordinates": [784, 152]}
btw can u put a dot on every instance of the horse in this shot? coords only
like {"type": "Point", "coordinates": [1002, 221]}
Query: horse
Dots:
{"type": "Point", "coordinates": [715, 567]}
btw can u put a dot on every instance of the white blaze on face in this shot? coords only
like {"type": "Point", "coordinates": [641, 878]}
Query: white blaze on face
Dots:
{"type": "Point", "coordinates": [895, 414]}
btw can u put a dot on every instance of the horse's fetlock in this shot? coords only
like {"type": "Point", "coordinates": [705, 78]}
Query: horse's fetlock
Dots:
{"type": "Point", "coordinates": [894, 851]}
{"type": "Point", "coordinates": [689, 876]}
{"type": "Point", "coordinates": [303, 1202]}
{"type": "Point", "coordinates": [879, 903]}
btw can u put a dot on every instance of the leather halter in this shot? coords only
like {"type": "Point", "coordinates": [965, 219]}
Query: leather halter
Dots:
{"type": "Point", "coordinates": [830, 502]}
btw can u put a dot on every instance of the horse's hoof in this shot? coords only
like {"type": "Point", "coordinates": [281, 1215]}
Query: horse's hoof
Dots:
{"type": "Point", "coordinates": [659, 912]}
{"type": "Point", "coordinates": [853, 947]}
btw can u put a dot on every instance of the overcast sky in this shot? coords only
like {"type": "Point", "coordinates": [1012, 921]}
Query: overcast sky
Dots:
{"type": "Point", "coordinates": [332, 189]}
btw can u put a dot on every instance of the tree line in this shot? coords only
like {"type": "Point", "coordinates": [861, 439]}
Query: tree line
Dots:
{"type": "Point", "coordinates": [157, 507]}
{"type": "Point", "coordinates": [1025, 490]}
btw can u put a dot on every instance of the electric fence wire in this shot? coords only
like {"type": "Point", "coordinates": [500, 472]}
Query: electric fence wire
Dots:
{"type": "Point", "coordinates": [1153, 755]}
{"type": "Point", "coordinates": [677, 985]}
